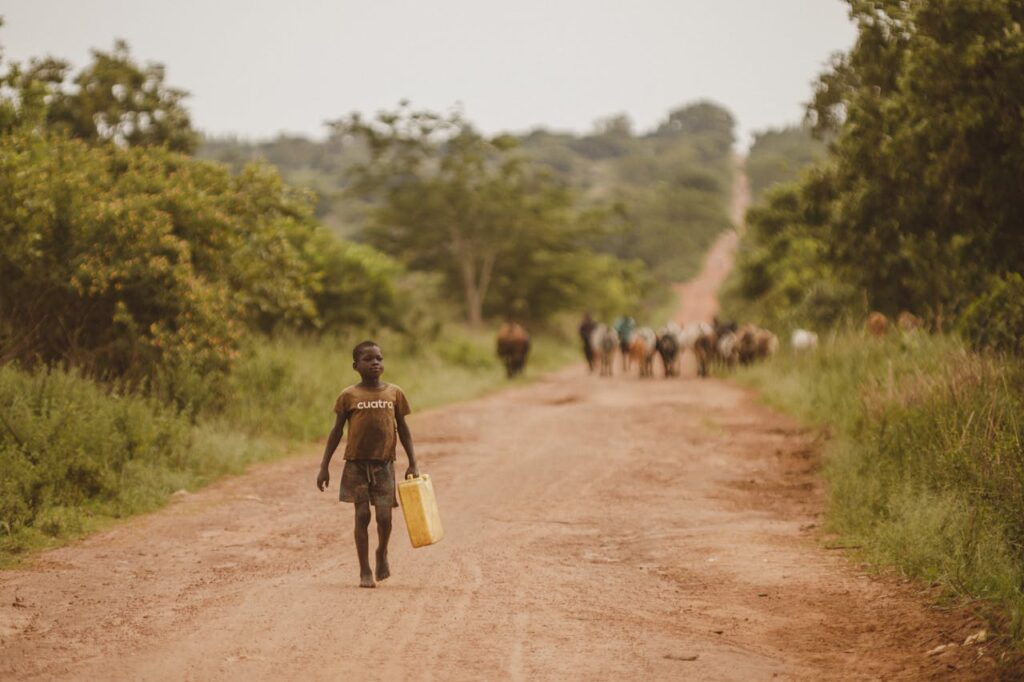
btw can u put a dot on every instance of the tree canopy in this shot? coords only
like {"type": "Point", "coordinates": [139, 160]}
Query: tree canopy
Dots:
{"type": "Point", "coordinates": [445, 198]}
{"type": "Point", "coordinates": [778, 156]}
{"type": "Point", "coordinates": [925, 174]}
{"type": "Point", "coordinates": [129, 260]}
{"type": "Point", "coordinates": [113, 99]}
{"type": "Point", "coordinates": [929, 158]}
{"type": "Point", "coordinates": [665, 191]}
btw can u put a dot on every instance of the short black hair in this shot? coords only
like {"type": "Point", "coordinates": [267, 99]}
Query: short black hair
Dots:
{"type": "Point", "coordinates": [360, 347]}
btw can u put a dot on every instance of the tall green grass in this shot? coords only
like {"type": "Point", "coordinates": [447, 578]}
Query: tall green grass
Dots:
{"type": "Point", "coordinates": [75, 454]}
{"type": "Point", "coordinates": [288, 386]}
{"type": "Point", "coordinates": [926, 466]}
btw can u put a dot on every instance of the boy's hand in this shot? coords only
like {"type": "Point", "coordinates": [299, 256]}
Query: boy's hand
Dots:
{"type": "Point", "coordinates": [323, 479]}
{"type": "Point", "coordinates": [412, 471]}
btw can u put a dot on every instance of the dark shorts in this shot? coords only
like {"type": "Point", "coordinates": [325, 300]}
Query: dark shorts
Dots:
{"type": "Point", "coordinates": [370, 480]}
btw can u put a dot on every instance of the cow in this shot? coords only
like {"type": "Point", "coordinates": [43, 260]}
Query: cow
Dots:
{"type": "Point", "coordinates": [705, 349]}
{"type": "Point", "coordinates": [878, 324]}
{"type": "Point", "coordinates": [718, 343]}
{"type": "Point", "coordinates": [513, 347]}
{"type": "Point", "coordinates": [754, 343]}
{"type": "Point", "coordinates": [746, 344]}
{"type": "Point", "coordinates": [803, 341]}
{"type": "Point", "coordinates": [604, 341]}
{"type": "Point", "coordinates": [669, 349]}
{"type": "Point", "coordinates": [908, 322]}
{"type": "Point", "coordinates": [642, 347]}
{"type": "Point", "coordinates": [727, 349]}
{"type": "Point", "coordinates": [690, 333]}
{"type": "Point", "coordinates": [767, 344]}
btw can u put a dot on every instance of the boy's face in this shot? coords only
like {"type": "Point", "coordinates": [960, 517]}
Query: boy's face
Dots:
{"type": "Point", "coordinates": [370, 363]}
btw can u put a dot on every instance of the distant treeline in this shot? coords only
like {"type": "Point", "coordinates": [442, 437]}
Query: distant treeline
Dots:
{"type": "Point", "coordinates": [918, 204]}
{"type": "Point", "coordinates": [660, 196]}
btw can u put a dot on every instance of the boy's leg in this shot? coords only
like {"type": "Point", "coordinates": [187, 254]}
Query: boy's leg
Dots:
{"type": "Point", "coordinates": [363, 543]}
{"type": "Point", "coordinates": [383, 512]}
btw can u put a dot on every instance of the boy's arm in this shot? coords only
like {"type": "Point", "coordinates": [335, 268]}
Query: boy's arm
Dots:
{"type": "Point", "coordinates": [406, 437]}
{"type": "Point", "coordinates": [323, 479]}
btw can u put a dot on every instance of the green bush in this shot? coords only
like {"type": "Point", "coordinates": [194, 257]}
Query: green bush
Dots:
{"type": "Point", "coordinates": [144, 264]}
{"type": "Point", "coordinates": [73, 451]}
{"type": "Point", "coordinates": [995, 320]}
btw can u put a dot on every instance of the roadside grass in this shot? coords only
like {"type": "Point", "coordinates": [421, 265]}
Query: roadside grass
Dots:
{"type": "Point", "coordinates": [926, 463]}
{"type": "Point", "coordinates": [76, 455]}
{"type": "Point", "coordinates": [287, 386]}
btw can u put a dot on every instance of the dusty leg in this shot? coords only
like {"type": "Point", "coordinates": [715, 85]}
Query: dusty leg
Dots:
{"type": "Point", "coordinates": [383, 535]}
{"type": "Point", "coordinates": [363, 544]}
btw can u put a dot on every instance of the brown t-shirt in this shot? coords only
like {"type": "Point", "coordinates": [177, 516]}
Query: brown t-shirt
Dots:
{"type": "Point", "coordinates": [372, 424]}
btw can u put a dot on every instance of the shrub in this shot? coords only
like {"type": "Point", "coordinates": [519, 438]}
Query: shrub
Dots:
{"type": "Point", "coordinates": [995, 320]}
{"type": "Point", "coordinates": [65, 440]}
{"type": "Point", "coordinates": [144, 264]}
{"type": "Point", "coordinates": [73, 452]}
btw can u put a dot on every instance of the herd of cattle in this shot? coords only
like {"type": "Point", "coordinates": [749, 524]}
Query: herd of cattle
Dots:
{"type": "Point", "coordinates": [725, 344]}
{"type": "Point", "coordinates": [722, 343]}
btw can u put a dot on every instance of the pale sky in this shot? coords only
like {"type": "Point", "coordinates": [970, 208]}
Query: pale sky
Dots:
{"type": "Point", "coordinates": [260, 67]}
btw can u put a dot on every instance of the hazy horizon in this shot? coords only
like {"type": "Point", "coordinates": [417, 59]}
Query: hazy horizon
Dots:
{"type": "Point", "coordinates": [256, 71]}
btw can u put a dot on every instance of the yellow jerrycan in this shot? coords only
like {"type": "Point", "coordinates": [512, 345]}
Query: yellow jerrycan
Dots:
{"type": "Point", "coordinates": [419, 506]}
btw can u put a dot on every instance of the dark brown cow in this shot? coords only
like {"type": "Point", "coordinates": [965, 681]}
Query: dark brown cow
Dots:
{"type": "Point", "coordinates": [513, 347]}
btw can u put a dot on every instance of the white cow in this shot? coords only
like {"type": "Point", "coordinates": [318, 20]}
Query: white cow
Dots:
{"type": "Point", "coordinates": [803, 341]}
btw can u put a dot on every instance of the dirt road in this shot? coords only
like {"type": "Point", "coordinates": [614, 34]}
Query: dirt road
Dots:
{"type": "Point", "coordinates": [596, 530]}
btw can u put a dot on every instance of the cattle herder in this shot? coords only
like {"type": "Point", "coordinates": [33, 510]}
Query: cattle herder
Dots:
{"type": "Point", "coordinates": [624, 326]}
{"type": "Point", "coordinates": [586, 328]}
{"type": "Point", "coordinates": [375, 412]}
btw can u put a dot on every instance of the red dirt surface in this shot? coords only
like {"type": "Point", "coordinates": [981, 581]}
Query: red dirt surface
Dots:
{"type": "Point", "coordinates": [595, 529]}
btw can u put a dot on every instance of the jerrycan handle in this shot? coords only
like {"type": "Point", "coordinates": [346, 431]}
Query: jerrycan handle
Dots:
{"type": "Point", "coordinates": [409, 477]}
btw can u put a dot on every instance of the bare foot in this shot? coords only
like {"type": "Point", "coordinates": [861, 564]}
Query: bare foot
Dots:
{"type": "Point", "coordinates": [366, 580]}
{"type": "Point", "coordinates": [383, 570]}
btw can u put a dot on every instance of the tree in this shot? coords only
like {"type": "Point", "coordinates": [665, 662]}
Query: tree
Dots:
{"type": "Point", "coordinates": [783, 278]}
{"type": "Point", "coordinates": [116, 100]}
{"type": "Point", "coordinates": [673, 188]}
{"type": "Point", "coordinates": [616, 124]}
{"type": "Point", "coordinates": [111, 100]}
{"type": "Point", "coordinates": [707, 122]}
{"type": "Point", "coordinates": [928, 153]}
{"type": "Point", "coordinates": [127, 260]}
{"type": "Point", "coordinates": [780, 155]}
{"type": "Point", "coordinates": [450, 200]}
{"type": "Point", "coordinates": [129, 263]}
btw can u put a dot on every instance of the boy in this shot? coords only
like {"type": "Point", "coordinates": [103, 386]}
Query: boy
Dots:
{"type": "Point", "coordinates": [376, 413]}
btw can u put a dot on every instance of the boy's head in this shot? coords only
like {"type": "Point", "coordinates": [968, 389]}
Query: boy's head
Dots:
{"type": "Point", "coordinates": [367, 359]}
